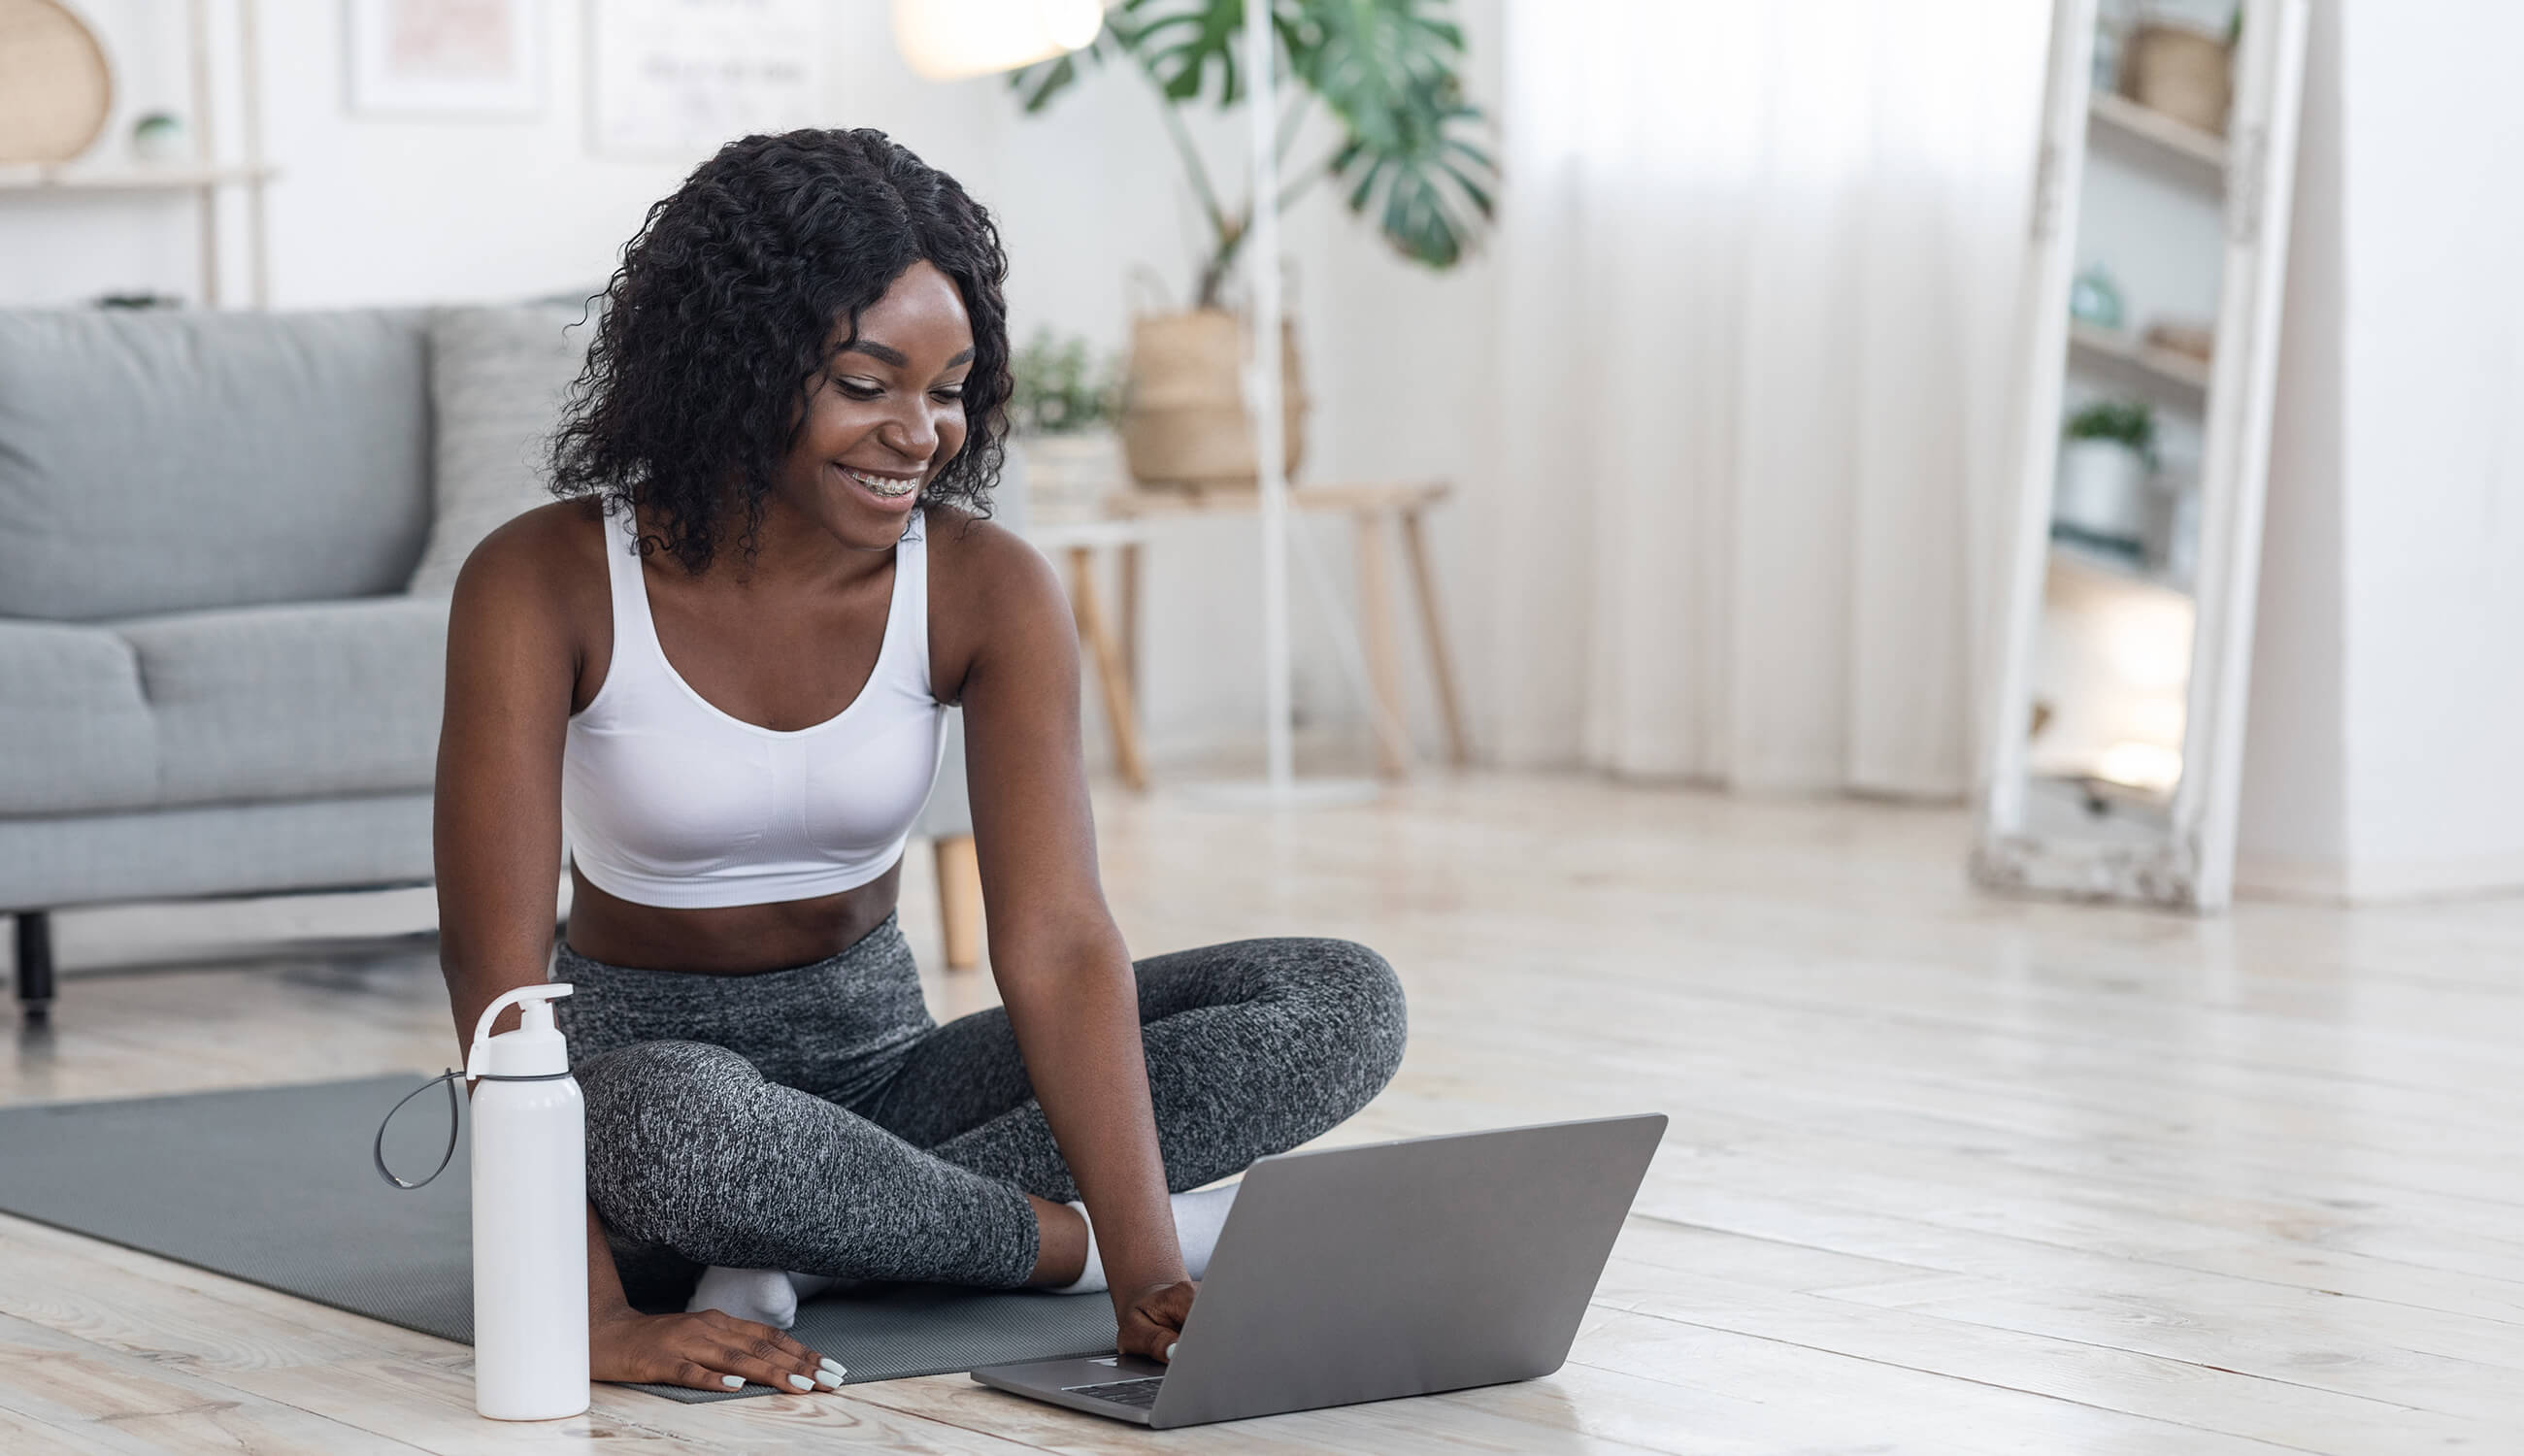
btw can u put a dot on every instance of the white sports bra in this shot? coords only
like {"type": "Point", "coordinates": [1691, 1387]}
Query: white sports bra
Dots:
{"type": "Point", "coordinates": [667, 800]}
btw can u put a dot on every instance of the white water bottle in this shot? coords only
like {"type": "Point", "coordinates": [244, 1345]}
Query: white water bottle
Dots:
{"type": "Point", "coordinates": [529, 1216]}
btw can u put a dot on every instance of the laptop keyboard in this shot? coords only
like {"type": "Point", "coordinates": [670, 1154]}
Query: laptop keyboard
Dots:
{"type": "Point", "coordinates": [1138, 1394]}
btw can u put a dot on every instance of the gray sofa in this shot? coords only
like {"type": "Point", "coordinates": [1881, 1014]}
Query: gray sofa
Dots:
{"type": "Point", "coordinates": [213, 680]}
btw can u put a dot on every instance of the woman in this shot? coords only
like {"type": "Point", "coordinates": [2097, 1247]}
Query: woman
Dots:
{"type": "Point", "coordinates": [721, 663]}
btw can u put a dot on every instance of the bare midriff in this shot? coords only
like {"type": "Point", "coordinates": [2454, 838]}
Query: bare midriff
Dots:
{"type": "Point", "coordinates": [728, 940]}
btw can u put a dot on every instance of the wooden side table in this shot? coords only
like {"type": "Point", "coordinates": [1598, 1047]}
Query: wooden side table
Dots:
{"type": "Point", "coordinates": [1377, 510]}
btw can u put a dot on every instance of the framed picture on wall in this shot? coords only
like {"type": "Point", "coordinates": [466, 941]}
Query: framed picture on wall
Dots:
{"type": "Point", "coordinates": [674, 78]}
{"type": "Point", "coordinates": [444, 58]}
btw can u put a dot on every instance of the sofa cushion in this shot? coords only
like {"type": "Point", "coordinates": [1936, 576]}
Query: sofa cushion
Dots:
{"type": "Point", "coordinates": [74, 733]}
{"type": "Point", "coordinates": [157, 461]}
{"type": "Point", "coordinates": [294, 701]}
{"type": "Point", "coordinates": [254, 849]}
{"type": "Point", "coordinates": [496, 378]}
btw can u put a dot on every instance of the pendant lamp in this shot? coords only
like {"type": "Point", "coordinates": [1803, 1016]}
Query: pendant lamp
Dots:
{"type": "Point", "coordinates": [951, 40]}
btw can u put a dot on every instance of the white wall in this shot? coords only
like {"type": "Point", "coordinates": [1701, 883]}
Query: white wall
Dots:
{"type": "Point", "coordinates": [2410, 313]}
{"type": "Point", "coordinates": [2293, 825]}
{"type": "Point", "coordinates": [2434, 448]}
{"type": "Point", "coordinates": [370, 211]}
{"type": "Point", "coordinates": [365, 210]}
{"type": "Point", "coordinates": [392, 210]}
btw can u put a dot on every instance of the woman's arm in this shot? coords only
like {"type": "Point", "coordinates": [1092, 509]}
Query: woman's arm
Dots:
{"type": "Point", "coordinates": [511, 667]}
{"type": "Point", "coordinates": [1060, 963]}
{"type": "Point", "coordinates": [512, 664]}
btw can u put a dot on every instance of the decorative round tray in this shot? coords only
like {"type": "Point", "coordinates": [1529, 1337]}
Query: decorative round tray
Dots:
{"type": "Point", "coordinates": [55, 88]}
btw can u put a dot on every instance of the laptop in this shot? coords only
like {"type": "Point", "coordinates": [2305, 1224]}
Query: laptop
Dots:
{"type": "Point", "coordinates": [1379, 1271]}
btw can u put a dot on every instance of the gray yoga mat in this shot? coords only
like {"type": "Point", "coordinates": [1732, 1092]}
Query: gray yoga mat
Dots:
{"type": "Point", "coordinates": [274, 1185]}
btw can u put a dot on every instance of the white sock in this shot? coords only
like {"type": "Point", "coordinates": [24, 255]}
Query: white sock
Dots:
{"type": "Point", "coordinates": [1199, 1216]}
{"type": "Point", "coordinates": [1092, 1281]}
{"type": "Point", "coordinates": [766, 1296]}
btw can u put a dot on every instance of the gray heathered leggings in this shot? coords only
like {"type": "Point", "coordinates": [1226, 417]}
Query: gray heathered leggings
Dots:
{"type": "Point", "coordinates": [817, 1119]}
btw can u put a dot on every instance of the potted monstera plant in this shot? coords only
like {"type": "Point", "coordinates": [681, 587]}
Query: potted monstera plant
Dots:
{"type": "Point", "coordinates": [1388, 74]}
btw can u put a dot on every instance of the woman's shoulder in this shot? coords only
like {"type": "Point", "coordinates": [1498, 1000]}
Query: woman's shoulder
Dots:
{"type": "Point", "coordinates": [542, 546]}
{"type": "Point", "coordinates": [986, 584]}
{"type": "Point", "coordinates": [974, 553]}
{"type": "Point", "coordinates": [549, 561]}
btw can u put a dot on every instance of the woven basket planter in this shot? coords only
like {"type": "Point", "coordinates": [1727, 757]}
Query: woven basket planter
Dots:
{"type": "Point", "coordinates": [1183, 413]}
{"type": "Point", "coordinates": [2187, 74]}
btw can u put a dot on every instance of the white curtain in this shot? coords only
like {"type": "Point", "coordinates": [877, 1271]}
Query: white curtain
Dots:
{"type": "Point", "coordinates": [1759, 262]}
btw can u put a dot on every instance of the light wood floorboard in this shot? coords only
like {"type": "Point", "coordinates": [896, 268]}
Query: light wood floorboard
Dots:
{"type": "Point", "coordinates": [1946, 1174]}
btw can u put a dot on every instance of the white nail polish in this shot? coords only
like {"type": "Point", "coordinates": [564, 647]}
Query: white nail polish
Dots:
{"type": "Point", "coordinates": [832, 1365]}
{"type": "Point", "coordinates": [732, 1381]}
{"type": "Point", "coordinates": [801, 1383]}
{"type": "Point", "coordinates": [828, 1380]}
{"type": "Point", "coordinates": [1170, 1351]}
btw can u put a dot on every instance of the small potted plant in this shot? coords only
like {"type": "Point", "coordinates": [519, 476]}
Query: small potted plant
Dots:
{"type": "Point", "coordinates": [159, 139]}
{"type": "Point", "coordinates": [1061, 413]}
{"type": "Point", "coordinates": [2106, 454]}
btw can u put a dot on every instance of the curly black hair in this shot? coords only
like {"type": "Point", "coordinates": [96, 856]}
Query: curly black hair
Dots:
{"type": "Point", "coordinates": [715, 327]}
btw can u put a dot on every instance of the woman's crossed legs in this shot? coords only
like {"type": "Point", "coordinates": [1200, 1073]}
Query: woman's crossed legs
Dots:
{"type": "Point", "coordinates": [694, 1157]}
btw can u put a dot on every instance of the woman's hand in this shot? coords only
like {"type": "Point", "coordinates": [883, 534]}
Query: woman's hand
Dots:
{"type": "Point", "coordinates": [705, 1352]}
{"type": "Point", "coordinates": [1152, 1319]}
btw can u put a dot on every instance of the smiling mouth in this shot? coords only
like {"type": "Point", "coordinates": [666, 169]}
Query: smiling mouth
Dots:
{"type": "Point", "coordinates": [892, 487]}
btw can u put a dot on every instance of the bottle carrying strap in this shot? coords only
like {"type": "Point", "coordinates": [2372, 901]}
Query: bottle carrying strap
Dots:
{"type": "Point", "coordinates": [377, 1151]}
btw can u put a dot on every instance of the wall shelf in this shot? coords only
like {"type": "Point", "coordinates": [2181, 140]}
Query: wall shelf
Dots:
{"type": "Point", "coordinates": [2202, 153]}
{"type": "Point", "coordinates": [173, 177]}
{"type": "Point", "coordinates": [2102, 569]}
{"type": "Point", "coordinates": [2175, 379]}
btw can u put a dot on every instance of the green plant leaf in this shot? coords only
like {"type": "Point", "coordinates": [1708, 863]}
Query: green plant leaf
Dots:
{"type": "Point", "coordinates": [1036, 85]}
{"type": "Point", "coordinates": [1471, 186]}
{"type": "Point", "coordinates": [2125, 423]}
{"type": "Point", "coordinates": [1179, 45]}
{"type": "Point", "coordinates": [1060, 387]}
{"type": "Point", "coordinates": [1389, 70]}
{"type": "Point", "coordinates": [1386, 70]}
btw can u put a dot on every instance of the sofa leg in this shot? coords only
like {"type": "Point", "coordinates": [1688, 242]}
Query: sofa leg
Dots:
{"type": "Point", "coordinates": [35, 967]}
{"type": "Point", "coordinates": [959, 900]}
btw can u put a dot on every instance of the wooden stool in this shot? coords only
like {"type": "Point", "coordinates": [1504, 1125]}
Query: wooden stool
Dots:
{"type": "Point", "coordinates": [1376, 510]}
{"type": "Point", "coordinates": [1116, 660]}
{"type": "Point", "coordinates": [960, 868]}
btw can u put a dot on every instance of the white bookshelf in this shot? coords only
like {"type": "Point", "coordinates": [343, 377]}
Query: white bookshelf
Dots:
{"type": "Point", "coordinates": [2159, 163]}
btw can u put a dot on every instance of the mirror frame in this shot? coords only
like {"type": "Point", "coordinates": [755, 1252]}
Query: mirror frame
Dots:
{"type": "Point", "coordinates": [2192, 865]}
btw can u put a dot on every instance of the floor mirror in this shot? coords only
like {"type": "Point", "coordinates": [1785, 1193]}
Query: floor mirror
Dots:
{"type": "Point", "coordinates": [2141, 448]}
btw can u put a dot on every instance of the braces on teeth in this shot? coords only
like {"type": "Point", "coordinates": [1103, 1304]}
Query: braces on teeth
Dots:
{"type": "Point", "coordinates": [881, 486]}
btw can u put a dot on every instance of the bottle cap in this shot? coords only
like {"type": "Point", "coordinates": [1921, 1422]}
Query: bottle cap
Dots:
{"type": "Point", "coordinates": [534, 1049]}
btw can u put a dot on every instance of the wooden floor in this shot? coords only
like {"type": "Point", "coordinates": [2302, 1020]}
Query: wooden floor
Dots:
{"type": "Point", "coordinates": [1945, 1175]}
